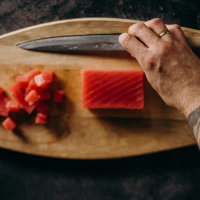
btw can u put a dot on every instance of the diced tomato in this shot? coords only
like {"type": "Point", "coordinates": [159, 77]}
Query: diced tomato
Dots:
{"type": "Point", "coordinates": [40, 80]}
{"type": "Point", "coordinates": [29, 91]}
{"type": "Point", "coordinates": [45, 96]}
{"type": "Point", "coordinates": [42, 107]}
{"type": "Point", "coordinates": [1, 91]}
{"type": "Point", "coordinates": [58, 96]}
{"type": "Point", "coordinates": [41, 118]}
{"type": "Point", "coordinates": [51, 86]}
{"type": "Point", "coordinates": [32, 73]}
{"type": "Point", "coordinates": [9, 124]}
{"type": "Point", "coordinates": [32, 97]}
{"type": "Point", "coordinates": [48, 76]}
{"type": "Point", "coordinates": [22, 81]}
{"type": "Point", "coordinates": [3, 110]}
{"type": "Point", "coordinates": [12, 105]}
{"type": "Point", "coordinates": [41, 89]}
{"type": "Point", "coordinates": [15, 87]}
{"type": "Point", "coordinates": [31, 86]}
{"type": "Point", "coordinates": [19, 96]}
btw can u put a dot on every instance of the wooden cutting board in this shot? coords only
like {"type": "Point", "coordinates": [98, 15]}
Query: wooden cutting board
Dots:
{"type": "Point", "coordinates": [73, 132]}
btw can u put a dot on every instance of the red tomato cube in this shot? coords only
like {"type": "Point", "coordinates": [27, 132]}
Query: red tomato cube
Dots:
{"type": "Point", "coordinates": [12, 105]}
{"type": "Point", "coordinates": [48, 76]}
{"type": "Point", "coordinates": [41, 89]}
{"type": "Point", "coordinates": [41, 118]}
{"type": "Point", "coordinates": [58, 96]}
{"type": "Point", "coordinates": [19, 96]}
{"type": "Point", "coordinates": [32, 73]}
{"type": "Point", "coordinates": [3, 110]}
{"type": "Point", "coordinates": [9, 124]}
{"type": "Point", "coordinates": [1, 91]}
{"type": "Point", "coordinates": [40, 80]}
{"type": "Point", "coordinates": [22, 81]}
{"type": "Point", "coordinates": [42, 107]}
{"type": "Point", "coordinates": [31, 86]}
{"type": "Point", "coordinates": [45, 96]}
{"type": "Point", "coordinates": [32, 97]}
{"type": "Point", "coordinates": [15, 87]}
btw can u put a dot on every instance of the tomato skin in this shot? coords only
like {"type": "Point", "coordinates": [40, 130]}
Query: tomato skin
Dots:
{"type": "Point", "coordinates": [12, 105]}
{"type": "Point", "coordinates": [41, 118]}
{"type": "Point", "coordinates": [9, 124]}
{"type": "Point", "coordinates": [58, 96]}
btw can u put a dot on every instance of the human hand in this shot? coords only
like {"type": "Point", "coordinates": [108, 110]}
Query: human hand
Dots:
{"type": "Point", "coordinates": [170, 65]}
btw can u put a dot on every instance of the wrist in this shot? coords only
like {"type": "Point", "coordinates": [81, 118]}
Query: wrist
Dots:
{"type": "Point", "coordinates": [194, 122]}
{"type": "Point", "coordinates": [189, 106]}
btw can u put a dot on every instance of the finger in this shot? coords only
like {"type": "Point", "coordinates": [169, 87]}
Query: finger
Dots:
{"type": "Point", "coordinates": [132, 45]}
{"type": "Point", "coordinates": [177, 33]}
{"type": "Point", "coordinates": [158, 27]}
{"type": "Point", "coordinates": [146, 35]}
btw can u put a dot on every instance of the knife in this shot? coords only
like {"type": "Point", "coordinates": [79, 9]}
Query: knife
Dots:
{"type": "Point", "coordinates": [103, 42]}
{"type": "Point", "coordinates": [107, 42]}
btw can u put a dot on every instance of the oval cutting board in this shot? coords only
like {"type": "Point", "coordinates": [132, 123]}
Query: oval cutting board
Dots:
{"type": "Point", "coordinates": [73, 132]}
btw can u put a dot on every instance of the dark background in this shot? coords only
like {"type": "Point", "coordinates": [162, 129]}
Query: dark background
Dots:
{"type": "Point", "coordinates": [170, 175]}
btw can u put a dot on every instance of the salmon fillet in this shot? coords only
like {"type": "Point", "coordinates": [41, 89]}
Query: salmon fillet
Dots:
{"type": "Point", "coordinates": [112, 89]}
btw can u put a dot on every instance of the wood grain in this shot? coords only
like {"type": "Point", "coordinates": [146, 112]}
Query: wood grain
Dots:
{"type": "Point", "coordinates": [73, 132]}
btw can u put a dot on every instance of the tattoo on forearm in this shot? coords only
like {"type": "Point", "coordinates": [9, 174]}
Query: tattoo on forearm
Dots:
{"type": "Point", "coordinates": [194, 121]}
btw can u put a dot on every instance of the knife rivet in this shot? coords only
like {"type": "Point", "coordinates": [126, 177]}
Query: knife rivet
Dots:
{"type": "Point", "coordinates": [96, 46]}
{"type": "Point", "coordinates": [73, 47]}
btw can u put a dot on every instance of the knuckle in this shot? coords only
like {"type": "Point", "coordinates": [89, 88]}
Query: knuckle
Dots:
{"type": "Point", "coordinates": [148, 63]}
{"type": "Point", "coordinates": [164, 49]}
{"type": "Point", "coordinates": [139, 26]}
{"type": "Point", "coordinates": [156, 21]}
{"type": "Point", "coordinates": [177, 46]}
{"type": "Point", "coordinates": [160, 69]}
{"type": "Point", "coordinates": [136, 28]}
{"type": "Point", "coordinates": [176, 27]}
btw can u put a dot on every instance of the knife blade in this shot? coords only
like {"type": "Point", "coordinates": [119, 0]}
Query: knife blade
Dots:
{"type": "Point", "coordinates": [103, 42]}
{"type": "Point", "coordinates": [75, 43]}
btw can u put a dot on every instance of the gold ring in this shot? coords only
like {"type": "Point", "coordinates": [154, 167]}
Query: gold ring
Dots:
{"type": "Point", "coordinates": [164, 33]}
